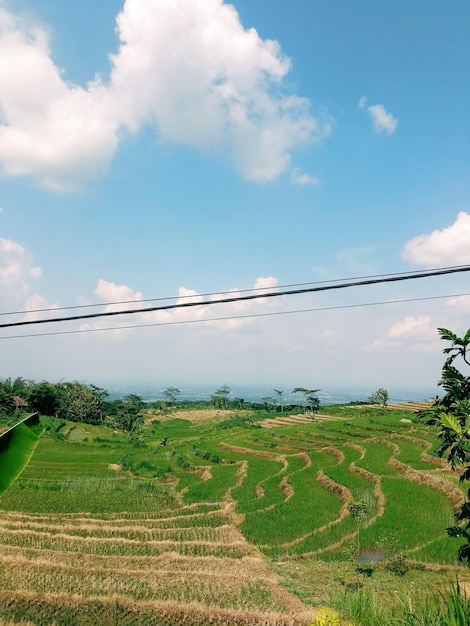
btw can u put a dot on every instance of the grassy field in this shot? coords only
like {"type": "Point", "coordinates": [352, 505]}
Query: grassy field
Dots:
{"type": "Point", "coordinates": [227, 521]}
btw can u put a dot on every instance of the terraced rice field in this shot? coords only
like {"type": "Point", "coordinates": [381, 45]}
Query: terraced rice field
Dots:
{"type": "Point", "coordinates": [96, 531]}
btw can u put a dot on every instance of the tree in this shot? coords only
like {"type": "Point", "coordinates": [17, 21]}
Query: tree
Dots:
{"type": "Point", "coordinates": [10, 388]}
{"type": "Point", "coordinates": [80, 403]}
{"type": "Point", "coordinates": [380, 397]}
{"type": "Point", "coordinates": [279, 393]}
{"type": "Point", "coordinates": [220, 397]}
{"type": "Point", "coordinates": [269, 402]}
{"type": "Point", "coordinates": [451, 415]}
{"type": "Point", "coordinates": [171, 395]}
{"type": "Point", "coordinates": [44, 398]}
{"type": "Point", "coordinates": [7, 404]}
{"type": "Point", "coordinates": [238, 402]}
{"type": "Point", "coordinates": [129, 417]}
{"type": "Point", "coordinates": [311, 400]}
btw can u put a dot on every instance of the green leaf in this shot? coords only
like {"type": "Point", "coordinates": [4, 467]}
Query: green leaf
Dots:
{"type": "Point", "coordinates": [450, 421]}
{"type": "Point", "coordinates": [457, 531]}
{"type": "Point", "coordinates": [447, 335]}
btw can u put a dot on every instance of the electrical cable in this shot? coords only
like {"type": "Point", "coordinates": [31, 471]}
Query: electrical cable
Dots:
{"type": "Point", "coordinates": [276, 294]}
{"type": "Point", "coordinates": [234, 317]}
{"type": "Point", "coordinates": [218, 293]}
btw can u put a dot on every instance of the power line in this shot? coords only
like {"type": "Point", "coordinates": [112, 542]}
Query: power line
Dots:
{"type": "Point", "coordinates": [218, 293]}
{"type": "Point", "coordinates": [276, 294]}
{"type": "Point", "coordinates": [234, 317]}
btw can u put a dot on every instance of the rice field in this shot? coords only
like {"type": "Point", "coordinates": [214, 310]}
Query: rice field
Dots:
{"type": "Point", "coordinates": [191, 532]}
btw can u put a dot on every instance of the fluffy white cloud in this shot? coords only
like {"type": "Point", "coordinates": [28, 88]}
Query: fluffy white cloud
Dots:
{"type": "Point", "coordinates": [460, 304]}
{"type": "Point", "coordinates": [113, 293]}
{"type": "Point", "coordinates": [383, 121]}
{"type": "Point", "coordinates": [448, 246]}
{"type": "Point", "coordinates": [17, 277]}
{"type": "Point", "coordinates": [188, 68]}
{"type": "Point", "coordinates": [419, 327]}
{"type": "Point", "coordinates": [57, 133]}
{"type": "Point", "coordinates": [16, 270]}
{"type": "Point", "coordinates": [266, 282]}
{"type": "Point", "coordinates": [414, 333]}
{"type": "Point", "coordinates": [300, 178]}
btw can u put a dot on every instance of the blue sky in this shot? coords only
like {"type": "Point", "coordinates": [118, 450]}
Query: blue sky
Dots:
{"type": "Point", "coordinates": [152, 149]}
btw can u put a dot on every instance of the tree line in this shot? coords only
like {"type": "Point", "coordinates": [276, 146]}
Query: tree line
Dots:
{"type": "Point", "coordinates": [80, 402]}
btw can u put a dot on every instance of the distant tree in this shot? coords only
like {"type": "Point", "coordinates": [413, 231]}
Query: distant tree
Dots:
{"type": "Point", "coordinates": [99, 392]}
{"type": "Point", "coordinates": [239, 403]}
{"type": "Point", "coordinates": [171, 395]}
{"type": "Point", "coordinates": [220, 398]}
{"type": "Point", "coordinates": [80, 403]}
{"type": "Point", "coordinates": [269, 402]}
{"type": "Point", "coordinates": [129, 417]}
{"type": "Point", "coordinates": [7, 404]}
{"type": "Point", "coordinates": [161, 406]}
{"type": "Point", "coordinates": [451, 415]}
{"type": "Point", "coordinates": [380, 397]}
{"type": "Point", "coordinates": [10, 388]}
{"type": "Point", "coordinates": [312, 402]}
{"type": "Point", "coordinates": [44, 398]}
{"type": "Point", "coordinates": [279, 393]}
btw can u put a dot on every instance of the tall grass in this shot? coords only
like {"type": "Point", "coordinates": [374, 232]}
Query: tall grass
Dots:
{"type": "Point", "coordinates": [365, 607]}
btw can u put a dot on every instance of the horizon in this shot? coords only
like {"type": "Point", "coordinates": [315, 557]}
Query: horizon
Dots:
{"type": "Point", "coordinates": [328, 395]}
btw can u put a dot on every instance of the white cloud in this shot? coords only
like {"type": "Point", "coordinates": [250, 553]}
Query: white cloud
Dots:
{"type": "Point", "coordinates": [112, 293]}
{"type": "Point", "coordinates": [17, 277]}
{"type": "Point", "coordinates": [459, 304]}
{"type": "Point", "coordinates": [413, 333]}
{"type": "Point", "coordinates": [383, 121]}
{"type": "Point", "coordinates": [57, 133]}
{"type": "Point", "coordinates": [35, 303]}
{"type": "Point", "coordinates": [418, 327]}
{"type": "Point", "coordinates": [448, 246]}
{"type": "Point", "coordinates": [16, 268]}
{"type": "Point", "coordinates": [362, 102]}
{"type": "Point", "coordinates": [266, 282]}
{"type": "Point", "coordinates": [300, 178]}
{"type": "Point", "coordinates": [188, 68]}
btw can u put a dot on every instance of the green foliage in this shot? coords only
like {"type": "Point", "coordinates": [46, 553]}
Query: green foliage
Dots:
{"type": "Point", "coordinates": [44, 398]}
{"type": "Point", "coordinates": [53, 426]}
{"type": "Point", "coordinates": [220, 398]}
{"type": "Point", "coordinates": [128, 417]}
{"type": "Point", "coordinates": [10, 388]}
{"type": "Point", "coordinates": [311, 400]}
{"type": "Point", "coordinates": [7, 405]}
{"type": "Point", "coordinates": [207, 455]}
{"type": "Point", "coordinates": [380, 397]}
{"type": "Point", "coordinates": [171, 395]}
{"type": "Point", "coordinates": [365, 607]}
{"type": "Point", "coordinates": [451, 416]}
{"type": "Point", "coordinates": [246, 421]}
{"type": "Point", "coordinates": [279, 393]}
{"type": "Point", "coordinates": [80, 403]}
